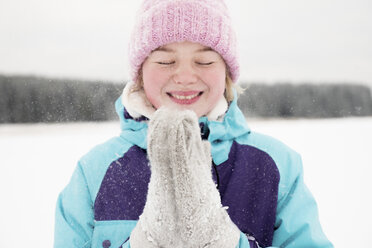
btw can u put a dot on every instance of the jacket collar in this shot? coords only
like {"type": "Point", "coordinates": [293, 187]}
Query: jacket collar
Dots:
{"type": "Point", "coordinates": [223, 126]}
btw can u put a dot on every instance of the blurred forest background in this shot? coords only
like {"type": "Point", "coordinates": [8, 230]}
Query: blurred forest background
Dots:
{"type": "Point", "coordinates": [31, 99]}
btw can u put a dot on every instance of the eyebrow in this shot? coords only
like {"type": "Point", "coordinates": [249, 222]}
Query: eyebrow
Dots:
{"type": "Point", "coordinates": [163, 49]}
{"type": "Point", "coordinates": [205, 49]}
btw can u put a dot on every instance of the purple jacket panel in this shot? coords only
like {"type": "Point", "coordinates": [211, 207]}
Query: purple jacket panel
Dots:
{"type": "Point", "coordinates": [122, 195]}
{"type": "Point", "coordinates": [248, 185]}
{"type": "Point", "coordinates": [249, 182]}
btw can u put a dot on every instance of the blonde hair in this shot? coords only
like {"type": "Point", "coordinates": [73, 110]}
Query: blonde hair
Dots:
{"type": "Point", "coordinates": [230, 85]}
{"type": "Point", "coordinates": [229, 92]}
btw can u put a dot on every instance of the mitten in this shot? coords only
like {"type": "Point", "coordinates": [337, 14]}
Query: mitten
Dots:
{"type": "Point", "coordinates": [202, 220]}
{"type": "Point", "coordinates": [157, 224]}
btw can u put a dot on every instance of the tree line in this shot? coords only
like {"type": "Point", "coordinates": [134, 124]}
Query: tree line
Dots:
{"type": "Point", "coordinates": [25, 99]}
{"type": "Point", "coordinates": [306, 100]}
{"type": "Point", "coordinates": [28, 99]}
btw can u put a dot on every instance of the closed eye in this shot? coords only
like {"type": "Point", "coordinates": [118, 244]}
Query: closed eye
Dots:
{"type": "Point", "coordinates": [208, 63]}
{"type": "Point", "coordinates": [165, 63]}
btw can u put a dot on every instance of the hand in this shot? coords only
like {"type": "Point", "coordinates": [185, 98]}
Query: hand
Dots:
{"type": "Point", "coordinates": [183, 207]}
{"type": "Point", "coordinates": [202, 221]}
{"type": "Point", "coordinates": [157, 224]}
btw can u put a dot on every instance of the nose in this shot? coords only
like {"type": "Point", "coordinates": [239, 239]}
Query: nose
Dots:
{"type": "Point", "coordinates": [185, 74]}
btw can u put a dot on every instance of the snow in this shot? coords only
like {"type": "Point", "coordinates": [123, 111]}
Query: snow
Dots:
{"type": "Point", "coordinates": [37, 161]}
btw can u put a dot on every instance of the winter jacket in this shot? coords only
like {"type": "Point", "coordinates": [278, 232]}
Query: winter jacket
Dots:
{"type": "Point", "coordinates": [259, 178]}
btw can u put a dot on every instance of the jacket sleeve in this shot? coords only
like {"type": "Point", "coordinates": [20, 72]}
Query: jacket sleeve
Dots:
{"type": "Point", "coordinates": [244, 242]}
{"type": "Point", "coordinates": [74, 214]}
{"type": "Point", "coordinates": [297, 223]}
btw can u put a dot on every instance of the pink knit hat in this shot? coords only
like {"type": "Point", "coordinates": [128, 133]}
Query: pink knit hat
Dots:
{"type": "Point", "coordinates": [160, 22]}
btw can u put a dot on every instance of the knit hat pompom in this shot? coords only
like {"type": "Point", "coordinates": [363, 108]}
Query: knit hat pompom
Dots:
{"type": "Point", "coordinates": [160, 22]}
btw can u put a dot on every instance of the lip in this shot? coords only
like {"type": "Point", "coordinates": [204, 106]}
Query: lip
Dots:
{"type": "Point", "coordinates": [184, 97]}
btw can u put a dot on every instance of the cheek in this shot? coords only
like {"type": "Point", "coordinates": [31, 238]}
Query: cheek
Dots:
{"type": "Point", "coordinates": [216, 81]}
{"type": "Point", "coordinates": [151, 94]}
{"type": "Point", "coordinates": [152, 84]}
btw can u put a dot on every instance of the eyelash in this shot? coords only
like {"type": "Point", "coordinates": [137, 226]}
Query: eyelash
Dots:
{"type": "Point", "coordinates": [172, 62]}
{"type": "Point", "coordinates": [209, 63]}
{"type": "Point", "coordinates": [165, 63]}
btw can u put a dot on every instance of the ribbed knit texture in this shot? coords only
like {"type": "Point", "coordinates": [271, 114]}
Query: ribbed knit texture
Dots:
{"type": "Point", "coordinates": [160, 22]}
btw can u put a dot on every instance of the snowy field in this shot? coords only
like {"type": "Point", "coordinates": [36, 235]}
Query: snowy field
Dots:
{"type": "Point", "coordinates": [37, 161]}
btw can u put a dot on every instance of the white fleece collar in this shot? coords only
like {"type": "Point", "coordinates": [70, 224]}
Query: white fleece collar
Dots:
{"type": "Point", "coordinates": [137, 104]}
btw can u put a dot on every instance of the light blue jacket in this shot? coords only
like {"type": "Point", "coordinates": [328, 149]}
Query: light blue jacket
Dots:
{"type": "Point", "coordinates": [259, 178]}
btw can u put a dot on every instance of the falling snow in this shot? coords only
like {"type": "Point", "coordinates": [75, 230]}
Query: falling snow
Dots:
{"type": "Point", "coordinates": [38, 160]}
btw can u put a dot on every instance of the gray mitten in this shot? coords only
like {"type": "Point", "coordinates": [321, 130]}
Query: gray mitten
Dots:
{"type": "Point", "coordinates": [202, 220]}
{"type": "Point", "coordinates": [157, 224]}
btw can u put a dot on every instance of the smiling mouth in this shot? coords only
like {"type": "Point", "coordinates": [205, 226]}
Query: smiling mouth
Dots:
{"type": "Point", "coordinates": [180, 97]}
{"type": "Point", "coordinates": [187, 97]}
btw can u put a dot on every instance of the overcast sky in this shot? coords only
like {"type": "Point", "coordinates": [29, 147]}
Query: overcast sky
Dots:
{"type": "Point", "coordinates": [279, 40]}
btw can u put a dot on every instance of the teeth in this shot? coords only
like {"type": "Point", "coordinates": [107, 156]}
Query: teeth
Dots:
{"type": "Point", "coordinates": [185, 97]}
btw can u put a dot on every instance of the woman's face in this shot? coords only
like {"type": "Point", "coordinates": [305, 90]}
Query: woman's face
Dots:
{"type": "Point", "coordinates": [184, 76]}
